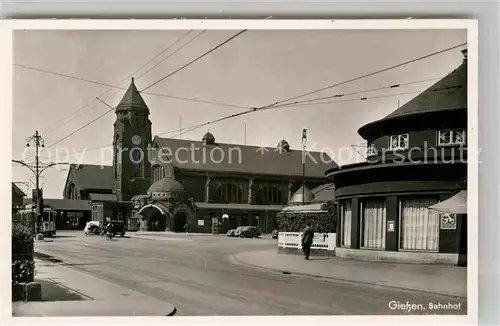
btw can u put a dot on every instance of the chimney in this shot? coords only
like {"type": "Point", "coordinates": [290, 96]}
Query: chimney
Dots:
{"type": "Point", "coordinates": [464, 52]}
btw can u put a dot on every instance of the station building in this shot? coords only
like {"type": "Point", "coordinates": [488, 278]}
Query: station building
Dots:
{"type": "Point", "coordinates": [416, 157]}
{"type": "Point", "coordinates": [203, 184]}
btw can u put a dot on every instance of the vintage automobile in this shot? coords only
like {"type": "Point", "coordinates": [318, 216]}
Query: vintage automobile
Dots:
{"type": "Point", "coordinates": [92, 227]}
{"type": "Point", "coordinates": [231, 232]}
{"type": "Point", "coordinates": [249, 232]}
{"type": "Point", "coordinates": [117, 227]}
{"type": "Point", "coordinates": [237, 232]}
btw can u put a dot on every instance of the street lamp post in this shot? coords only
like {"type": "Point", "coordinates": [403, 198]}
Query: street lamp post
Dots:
{"type": "Point", "coordinates": [37, 170]}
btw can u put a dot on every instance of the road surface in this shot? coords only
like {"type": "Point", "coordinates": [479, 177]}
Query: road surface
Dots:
{"type": "Point", "coordinates": [195, 273]}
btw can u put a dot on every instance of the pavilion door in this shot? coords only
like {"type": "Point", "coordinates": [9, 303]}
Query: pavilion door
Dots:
{"type": "Point", "coordinates": [462, 253]}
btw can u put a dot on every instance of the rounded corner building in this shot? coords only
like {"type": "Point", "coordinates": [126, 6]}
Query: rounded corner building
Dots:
{"type": "Point", "coordinates": [416, 157]}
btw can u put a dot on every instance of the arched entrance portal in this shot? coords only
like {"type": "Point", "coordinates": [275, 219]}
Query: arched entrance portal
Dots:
{"type": "Point", "coordinates": [155, 217]}
{"type": "Point", "coordinates": [180, 220]}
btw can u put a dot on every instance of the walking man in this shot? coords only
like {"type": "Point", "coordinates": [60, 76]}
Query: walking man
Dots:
{"type": "Point", "coordinates": [307, 240]}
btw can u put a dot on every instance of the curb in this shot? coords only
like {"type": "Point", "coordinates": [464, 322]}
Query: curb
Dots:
{"type": "Point", "coordinates": [46, 257]}
{"type": "Point", "coordinates": [234, 259]}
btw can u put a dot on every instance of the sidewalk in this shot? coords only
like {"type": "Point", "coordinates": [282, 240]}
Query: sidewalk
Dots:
{"type": "Point", "coordinates": [439, 279]}
{"type": "Point", "coordinates": [90, 296]}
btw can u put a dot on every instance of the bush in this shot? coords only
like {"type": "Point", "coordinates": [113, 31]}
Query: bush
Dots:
{"type": "Point", "coordinates": [319, 222]}
{"type": "Point", "coordinates": [23, 264]}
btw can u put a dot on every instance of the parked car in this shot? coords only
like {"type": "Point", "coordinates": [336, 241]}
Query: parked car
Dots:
{"type": "Point", "coordinates": [231, 232]}
{"type": "Point", "coordinates": [250, 232]}
{"type": "Point", "coordinates": [92, 227]}
{"type": "Point", "coordinates": [118, 227]}
{"type": "Point", "coordinates": [237, 232]}
{"type": "Point", "coordinates": [274, 234]}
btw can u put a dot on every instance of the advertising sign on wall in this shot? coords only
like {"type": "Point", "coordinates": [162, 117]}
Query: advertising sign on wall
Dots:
{"type": "Point", "coordinates": [448, 222]}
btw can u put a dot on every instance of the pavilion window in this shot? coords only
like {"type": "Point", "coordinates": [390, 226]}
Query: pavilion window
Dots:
{"type": "Point", "coordinates": [451, 137]}
{"type": "Point", "coordinates": [399, 142]}
{"type": "Point", "coordinates": [373, 219]}
{"type": "Point", "coordinates": [419, 226]}
{"type": "Point", "coordinates": [371, 150]}
{"type": "Point", "coordinates": [346, 218]}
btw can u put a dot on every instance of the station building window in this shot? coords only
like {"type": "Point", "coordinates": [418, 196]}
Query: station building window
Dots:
{"type": "Point", "coordinates": [346, 218]}
{"type": "Point", "coordinates": [419, 226]}
{"type": "Point", "coordinates": [373, 220]}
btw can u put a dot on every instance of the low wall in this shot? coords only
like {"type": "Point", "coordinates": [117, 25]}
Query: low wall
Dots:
{"type": "Point", "coordinates": [323, 243]}
{"type": "Point", "coordinates": [398, 256]}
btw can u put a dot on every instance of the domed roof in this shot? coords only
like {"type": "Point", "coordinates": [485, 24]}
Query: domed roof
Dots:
{"type": "Point", "coordinates": [166, 185]}
{"type": "Point", "coordinates": [208, 136]}
{"type": "Point", "coordinates": [284, 145]}
{"type": "Point", "coordinates": [297, 196]}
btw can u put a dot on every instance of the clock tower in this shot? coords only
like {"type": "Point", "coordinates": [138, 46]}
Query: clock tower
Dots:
{"type": "Point", "coordinates": [132, 136]}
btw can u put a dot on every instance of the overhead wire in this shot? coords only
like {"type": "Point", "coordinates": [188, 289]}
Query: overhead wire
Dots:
{"type": "Point", "coordinates": [393, 86]}
{"type": "Point", "coordinates": [281, 103]}
{"type": "Point", "coordinates": [144, 93]}
{"type": "Point", "coordinates": [163, 78]}
{"type": "Point", "coordinates": [81, 109]}
{"type": "Point", "coordinates": [194, 60]}
{"type": "Point", "coordinates": [198, 126]}
{"type": "Point", "coordinates": [376, 72]}
{"type": "Point", "coordinates": [276, 104]}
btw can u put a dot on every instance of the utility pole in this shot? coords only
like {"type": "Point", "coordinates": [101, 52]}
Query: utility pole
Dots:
{"type": "Point", "coordinates": [304, 141]}
{"type": "Point", "coordinates": [38, 141]}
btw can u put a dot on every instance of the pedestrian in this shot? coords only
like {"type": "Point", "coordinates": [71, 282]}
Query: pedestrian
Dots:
{"type": "Point", "coordinates": [186, 228]}
{"type": "Point", "coordinates": [109, 231]}
{"type": "Point", "coordinates": [307, 240]}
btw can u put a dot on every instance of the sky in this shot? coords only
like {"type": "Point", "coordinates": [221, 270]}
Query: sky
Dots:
{"type": "Point", "coordinates": [257, 68]}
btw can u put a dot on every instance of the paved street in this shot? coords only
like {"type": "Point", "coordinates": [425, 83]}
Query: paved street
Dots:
{"type": "Point", "coordinates": [195, 274]}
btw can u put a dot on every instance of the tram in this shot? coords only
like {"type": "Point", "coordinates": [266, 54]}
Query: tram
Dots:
{"type": "Point", "coordinates": [46, 225]}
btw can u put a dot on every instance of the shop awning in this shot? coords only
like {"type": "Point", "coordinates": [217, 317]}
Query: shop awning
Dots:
{"type": "Point", "coordinates": [456, 204]}
{"type": "Point", "coordinates": [311, 208]}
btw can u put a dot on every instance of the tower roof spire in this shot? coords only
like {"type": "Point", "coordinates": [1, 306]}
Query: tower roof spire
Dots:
{"type": "Point", "coordinates": [132, 99]}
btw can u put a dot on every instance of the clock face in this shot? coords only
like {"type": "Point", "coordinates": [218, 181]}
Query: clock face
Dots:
{"type": "Point", "coordinates": [136, 140]}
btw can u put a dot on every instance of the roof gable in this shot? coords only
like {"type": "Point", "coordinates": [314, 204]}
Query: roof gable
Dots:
{"type": "Point", "coordinates": [89, 176]}
{"type": "Point", "coordinates": [233, 158]}
{"type": "Point", "coordinates": [17, 190]}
